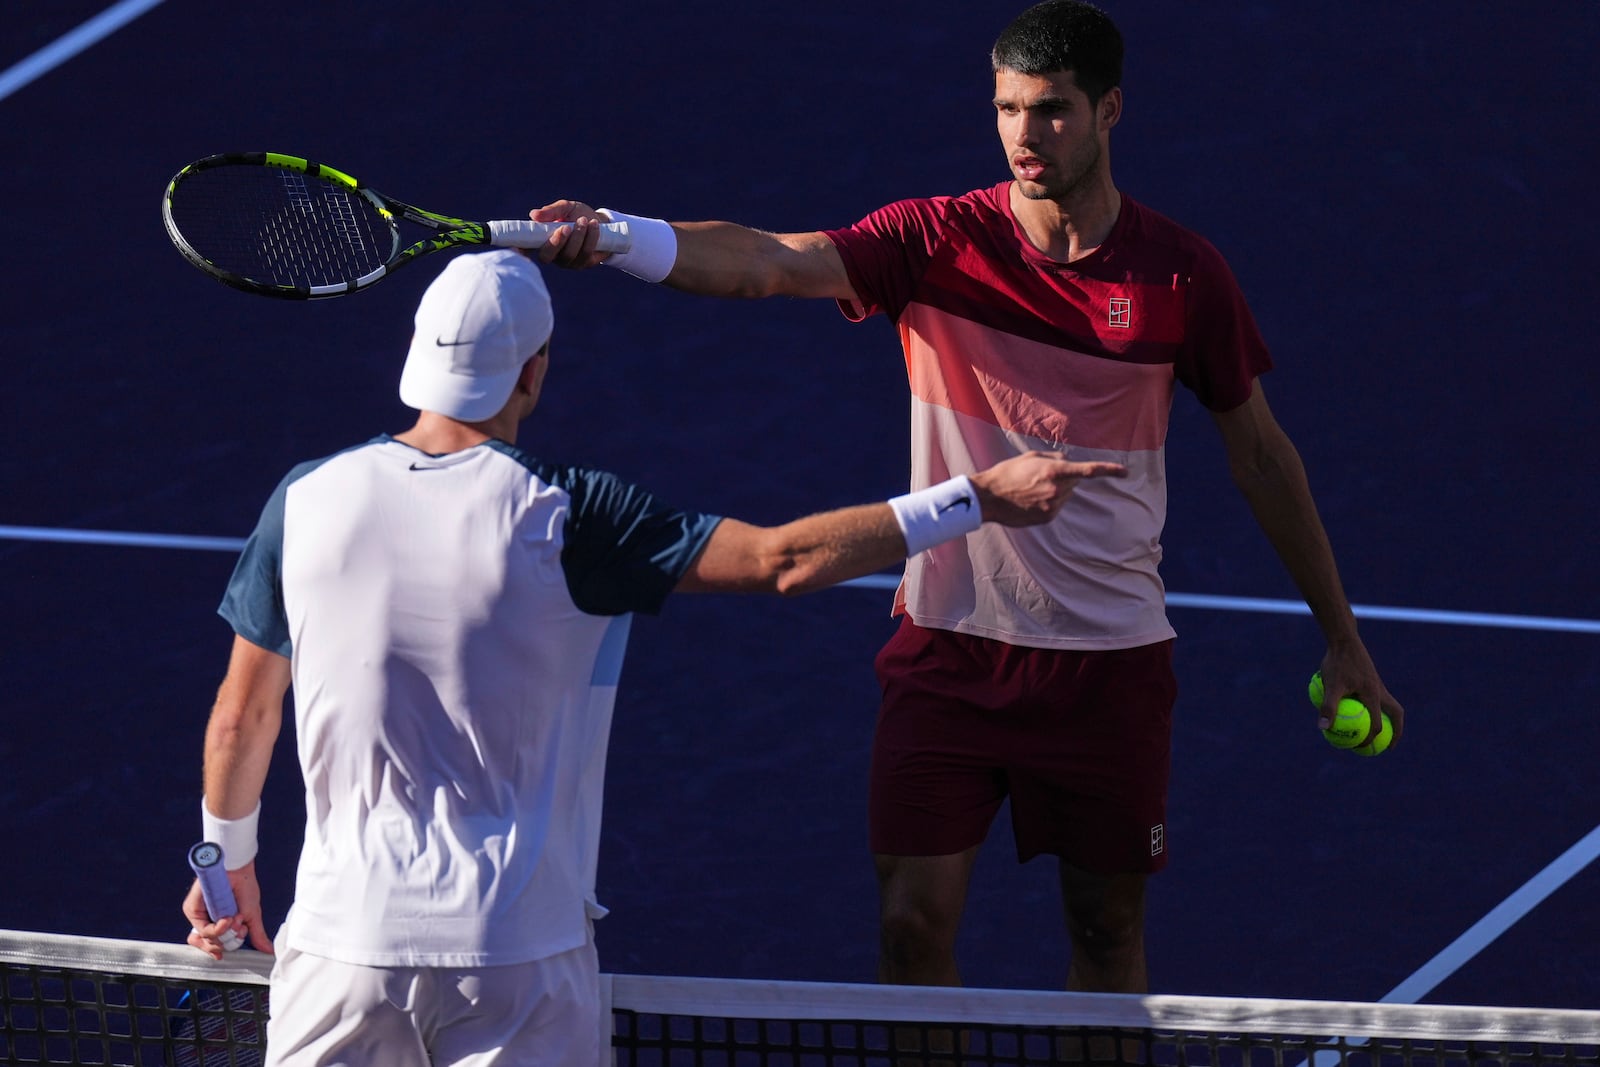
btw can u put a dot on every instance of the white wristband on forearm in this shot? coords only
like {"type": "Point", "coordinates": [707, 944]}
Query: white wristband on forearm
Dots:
{"type": "Point", "coordinates": [654, 249]}
{"type": "Point", "coordinates": [236, 836]}
{"type": "Point", "coordinates": [937, 514]}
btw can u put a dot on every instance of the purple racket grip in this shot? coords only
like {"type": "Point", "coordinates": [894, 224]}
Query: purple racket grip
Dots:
{"type": "Point", "coordinates": [205, 859]}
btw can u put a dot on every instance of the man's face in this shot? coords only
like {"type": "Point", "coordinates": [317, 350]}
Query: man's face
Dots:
{"type": "Point", "coordinates": [1052, 135]}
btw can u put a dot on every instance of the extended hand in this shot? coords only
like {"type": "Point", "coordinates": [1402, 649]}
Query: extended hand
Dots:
{"type": "Point", "coordinates": [1030, 489]}
{"type": "Point", "coordinates": [573, 247]}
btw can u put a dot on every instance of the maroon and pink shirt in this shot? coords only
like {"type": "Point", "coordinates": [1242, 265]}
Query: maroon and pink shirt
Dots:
{"type": "Point", "coordinates": [1008, 350]}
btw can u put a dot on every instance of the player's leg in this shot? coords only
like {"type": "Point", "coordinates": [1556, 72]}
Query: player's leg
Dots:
{"type": "Point", "coordinates": [546, 1012]}
{"type": "Point", "coordinates": [1091, 789]}
{"type": "Point", "coordinates": [1105, 920]}
{"type": "Point", "coordinates": [932, 795]}
{"type": "Point", "coordinates": [325, 1012]}
{"type": "Point", "coordinates": [920, 900]}
{"type": "Point", "coordinates": [920, 904]}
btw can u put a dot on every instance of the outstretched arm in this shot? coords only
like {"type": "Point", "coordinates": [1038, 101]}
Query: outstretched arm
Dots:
{"type": "Point", "coordinates": [1267, 469]}
{"type": "Point", "coordinates": [827, 548]}
{"type": "Point", "coordinates": [711, 258]}
{"type": "Point", "coordinates": [239, 739]}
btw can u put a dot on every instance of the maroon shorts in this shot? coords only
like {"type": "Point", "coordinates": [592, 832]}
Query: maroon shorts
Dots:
{"type": "Point", "coordinates": [1080, 741]}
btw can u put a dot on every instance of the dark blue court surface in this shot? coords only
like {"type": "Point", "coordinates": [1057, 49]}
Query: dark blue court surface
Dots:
{"type": "Point", "coordinates": [1406, 192]}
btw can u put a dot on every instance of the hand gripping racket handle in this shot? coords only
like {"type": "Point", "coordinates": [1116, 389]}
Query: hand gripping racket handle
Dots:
{"type": "Point", "coordinates": [513, 233]}
{"type": "Point", "coordinates": [205, 859]}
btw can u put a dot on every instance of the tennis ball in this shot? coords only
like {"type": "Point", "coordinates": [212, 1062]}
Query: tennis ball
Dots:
{"type": "Point", "coordinates": [1351, 722]}
{"type": "Point", "coordinates": [1314, 690]}
{"type": "Point", "coordinates": [1380, 741]}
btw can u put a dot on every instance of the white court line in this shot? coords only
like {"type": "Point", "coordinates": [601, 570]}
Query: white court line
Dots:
{"type": "Point", "coordinates": [1560, 871]}
{"type": "Point", "coordinates": [70, 44]}
{"type": "Point", "coordinates": [1363, 611]}
{"type": "Point", "coordinates": [1481, 934]}
{"type": "Point", "coordinates": [888, 581]}
{"type": "Point", "coordinates": [119, 537]}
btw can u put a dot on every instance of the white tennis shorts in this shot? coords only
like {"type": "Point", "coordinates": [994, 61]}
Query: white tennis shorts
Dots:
{"type": "Point", "coordinates": [331, 1014]}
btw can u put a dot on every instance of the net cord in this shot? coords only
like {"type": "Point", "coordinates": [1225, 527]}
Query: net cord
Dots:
{"type": "Point", "coordinates": [755, 999]}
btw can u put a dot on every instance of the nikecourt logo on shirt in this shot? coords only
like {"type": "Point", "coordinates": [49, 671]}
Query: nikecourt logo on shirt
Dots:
{"type": "Point", "coordinates": [1121, 312]}
{"type": "Point", "coordinates": [964, 501]}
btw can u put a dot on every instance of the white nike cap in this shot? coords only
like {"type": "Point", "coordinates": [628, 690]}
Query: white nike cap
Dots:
{"type": "Point", "coordinates": [483, 317]}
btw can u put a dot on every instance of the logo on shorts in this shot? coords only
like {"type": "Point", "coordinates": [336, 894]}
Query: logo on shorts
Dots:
{"type": "Point", "coordinates": [1158, 839]}
{"type": "Point", "coordinates": [1121, 312]}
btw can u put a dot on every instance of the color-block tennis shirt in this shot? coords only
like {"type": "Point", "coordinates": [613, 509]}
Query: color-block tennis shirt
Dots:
{"type": "Point", "coordinates": [457, 626]}
{"type": "Point", "coordinates": [1008, 350]}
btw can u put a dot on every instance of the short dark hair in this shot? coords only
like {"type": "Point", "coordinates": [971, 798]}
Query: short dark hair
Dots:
{"type": "Point", "coordinates": [1063, 35]}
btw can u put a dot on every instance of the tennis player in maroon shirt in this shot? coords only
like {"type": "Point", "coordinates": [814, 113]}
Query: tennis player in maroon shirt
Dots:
{"type": "Point", "coordinates": [1034, 665]}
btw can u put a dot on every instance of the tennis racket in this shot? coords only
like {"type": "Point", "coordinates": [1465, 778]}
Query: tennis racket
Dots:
{"type": "Point", "coordinates": [205, 859]}
{"type": "Point", "coordinates": [288, 227]}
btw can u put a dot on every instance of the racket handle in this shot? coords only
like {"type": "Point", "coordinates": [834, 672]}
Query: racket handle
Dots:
{"type": "Point", "coordinates": [205, 859]}
{"type": "Point", "coordinates": [516, 233]}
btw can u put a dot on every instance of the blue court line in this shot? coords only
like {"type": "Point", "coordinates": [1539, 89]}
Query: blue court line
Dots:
{"type": "Point", "coordinates": [890, 581]}
{"type": "Point", "coordinates": [70, 44]}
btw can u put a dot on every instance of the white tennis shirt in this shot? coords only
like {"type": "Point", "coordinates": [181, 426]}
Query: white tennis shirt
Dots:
{"type": "Point", "coordinates": [456, 626]}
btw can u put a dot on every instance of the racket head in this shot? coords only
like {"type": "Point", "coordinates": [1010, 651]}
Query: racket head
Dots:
{"type": "Point", "coordinates": [289, 227]}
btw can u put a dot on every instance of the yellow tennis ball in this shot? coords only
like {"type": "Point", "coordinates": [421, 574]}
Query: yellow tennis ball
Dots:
{"type": "Point", "coordinates": [1380, 741]}
{"type": "Point", "coordinates": [1314, 690]}
{"type": "Point", "coordinates": [1351, 722]}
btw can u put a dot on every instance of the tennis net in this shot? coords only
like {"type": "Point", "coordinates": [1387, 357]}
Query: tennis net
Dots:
{"type": "Point", "coordinates": [75, 1000]}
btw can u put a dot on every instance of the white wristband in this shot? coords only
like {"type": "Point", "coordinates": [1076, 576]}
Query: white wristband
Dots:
{"type": "Point", "coordinates": [654, 249]}
{"type": "Point", "coordinates": [236, 836]}
{"type": "Point", "coordinates": [937, 514]}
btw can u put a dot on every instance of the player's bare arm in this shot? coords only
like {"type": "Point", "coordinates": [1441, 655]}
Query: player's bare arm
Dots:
{"type": "Point", "coordinates": [831, 547]}
{"type": "Point", "coordinates": [713, 258]}
{"type": "Point", "coordinates": [1267, 469]}
{"type": "Point", "coordinates": [244, 726]}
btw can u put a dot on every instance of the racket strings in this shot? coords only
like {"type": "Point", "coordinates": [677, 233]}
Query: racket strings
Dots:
{"type": "Point", "coordinates": [281, 227]}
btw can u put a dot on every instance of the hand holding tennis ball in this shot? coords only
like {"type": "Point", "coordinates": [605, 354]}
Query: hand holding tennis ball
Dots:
{"type": "Point", "coordinates": [1351, 722]}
